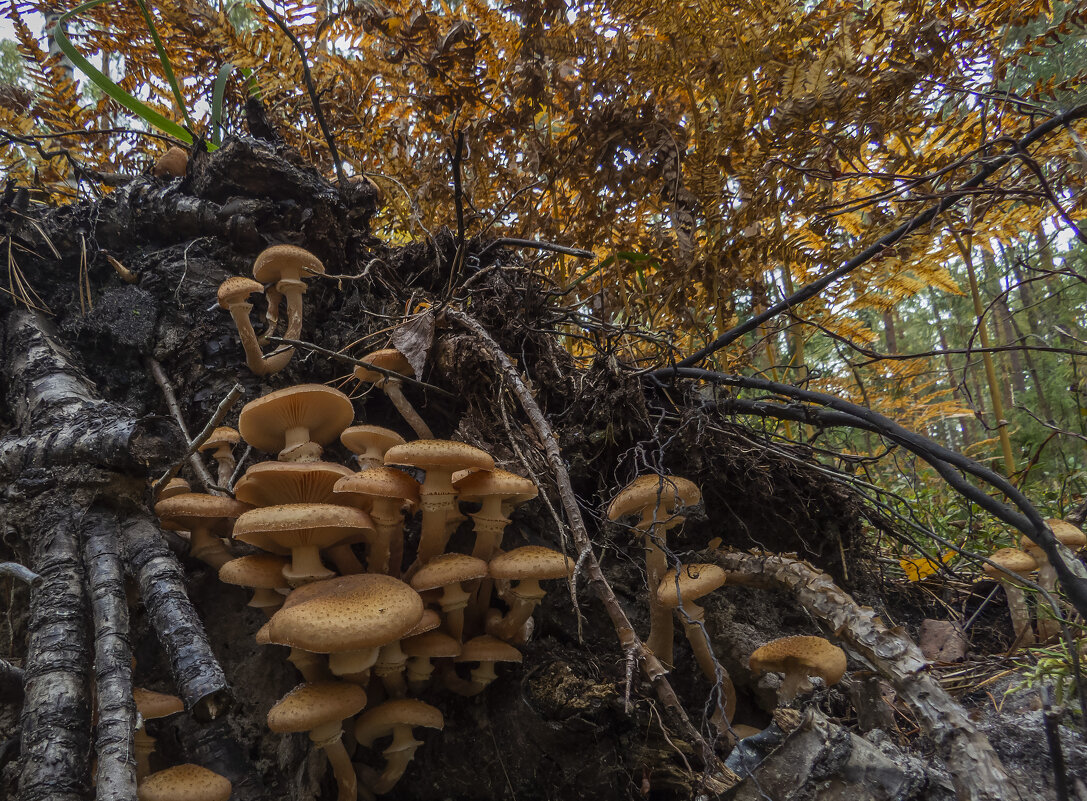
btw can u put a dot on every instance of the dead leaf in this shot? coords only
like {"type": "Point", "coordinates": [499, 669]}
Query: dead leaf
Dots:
{"type": "Point", "coordinates": [414, 339]}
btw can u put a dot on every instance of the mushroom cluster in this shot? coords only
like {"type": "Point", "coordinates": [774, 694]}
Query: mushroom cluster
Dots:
{"type": "Point", "coordinates": [371, 616]}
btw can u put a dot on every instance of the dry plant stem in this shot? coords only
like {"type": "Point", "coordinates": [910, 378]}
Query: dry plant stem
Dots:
{"type": "Point", "coordinates": [976, 769]}
{"type": "Point", "coordinates": [628, 639]}
{"type": "Point", "coordinates": [167, 389]}
{"type": "Point", "coordinates": [199, 678]}
{"type": "Point", "coordinates": [221, 411]}
{"type": "Point", "coordinates": [407, 411]}
{"type": "Point", "coordinates": [114, 736]}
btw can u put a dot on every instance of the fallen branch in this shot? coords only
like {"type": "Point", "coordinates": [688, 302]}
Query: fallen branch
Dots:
{"type": "Point", "coordinates": [201, 470]}
{"type": "Point", "coordinates": [199, 678]}
{"type": "Point", "coordinates": [976, 769]}
{"type": "Point", "coordinates": [16, 570]}
{"type": "Point", "coordinates": [114, 738]}
{"type": "Point", "coordinates": [718, 775]}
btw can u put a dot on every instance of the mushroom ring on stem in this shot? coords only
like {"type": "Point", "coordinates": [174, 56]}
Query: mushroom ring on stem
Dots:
{"type": "Point", "coordinates": [396, 718]}
{"type": "Point", "coordinates": [394, 360]}
{"type": "Point", "coordinates": [656, 499]}
{"type": "Point", "coordinates": [320, 710]}
{"type": "Point", "coordinates": [295, 422]}
{"type": "Point", "coordinates": [383, 491]}
{"type": "Point", "coordinates": [798, 658]}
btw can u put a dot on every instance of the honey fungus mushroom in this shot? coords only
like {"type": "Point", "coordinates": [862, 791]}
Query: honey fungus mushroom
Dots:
{"type": "Point", "coordinates": [528, 566]}
{"type": "Point", "coordinates": [393, 360]}
{"type": "Point", "coordinates": [384, 491]}
{"type": "Point", "coordinates": [207, 518]}
{"type": "Point", "coordinates": [284, 267]}
{"type": "Point", "coordinates": [221, 443]}
{"type": "Point", "coordinates": [296, 422]}
{"type": "Point", "coordinates": [171, 164]}
{"type": "Point", "coordinates": [186, 782]}
{"type": "Point", "coordinates": [397, 718]}
{"type": "Point", "coordinates": [1021, 564]}
{"type": "Point", "coordinates": [486, 651]}
{"type": "Point", "coordinates": [1070, 537]}
{"type": "Point", "coordinates": [263, 574]}
{"type": "Point", "coordinates": [655, 499]}
{"type": "Point", "coordinates": [448, 573]}
{"type": "Point", "coordinates": [319, 710]}
{"type": "Point", "coordinates": [233, 295]}
{"type": "Point", "coordinates": [151, 706]}
{"type": "Point", "coordinates": [798, 659]}
{"type": "Point", "coordinates": [369, 444]}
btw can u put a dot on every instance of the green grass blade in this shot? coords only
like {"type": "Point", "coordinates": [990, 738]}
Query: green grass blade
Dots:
{"type": "Point", "coordinates": [218, 94]}
{"type": "Point", "coordinates": [165, 61]}
{"type": "Point", "coordinates": [136, 106]}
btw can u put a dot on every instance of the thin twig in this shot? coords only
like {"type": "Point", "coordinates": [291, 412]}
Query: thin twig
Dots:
{"type": "Point", "coordinates": [225, 405]}
{"type": "Point", "coordinates": [21, 572]}
{"type": "Point", "coordinates": [538, 245]}
{"type": "Point", "coordinates": [628, 638]}
{"type": "Point", "coordinates": [167, 388]}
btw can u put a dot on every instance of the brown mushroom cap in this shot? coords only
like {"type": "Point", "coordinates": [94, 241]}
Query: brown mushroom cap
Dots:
{"type": "Point", "coordinates": [171, 164]}
{"type": "Point", "coordinates": [324, 411]}
{"type": "Point", "coordinates": [348, 613]}
{"type": "Point", "coordinates": [361, 438]}
{"type": "Point", "coordinates": [431, 645]}
{"type": "Point", "coordinates": [531, 562]}
{"type": "Point", "coordinates": [388, 359]}
{"type": "Point", "coordinates": [440, 454]}
{"type": "Point", "coordinates": [694, 582]}
{"type": "Point", "coordinates": [486, 648]}
{"type": "Point", "coordinates": [1011, 559]}
{"type": "Point", "coordinates": [184, 783]}
{"type": "Point", "coordinates": [497, 482]}
{"type": "Point", "coordinates": [379, 721]}
{"type": "Point", "coordinates": [449, 568]}
{"type": "Point", "coordinates": [280, 528]}
{"type": "Point", "coordinates": [193, 510]}
{"type": "Point", "coordinates": [1066, 534]}
{"type": "Point", "coordinates": [286, 261]}
{"type": "Point", "coordinates": [428, 622]}
{"type": "Point", "coordinates": [223, 435]}
{"type": "Point", "coordinates": [310, 706]}
{"type": "Point", "coordinates": [277, 483]}
{"type": "Point", "coordinates": [378, 482]}
{"type": "Point", "coordinates": [152, 705]}
{"type": "Point", "coordinates": [236, 289]}
{"type": "Point", "coordinates": [260, 571]}
{"type": "Point", "coordinates": [174, 487]}
{"type": "Point", "coordinates": [812, 656]}
{"type": "Point", "coordinates": [648, 492]}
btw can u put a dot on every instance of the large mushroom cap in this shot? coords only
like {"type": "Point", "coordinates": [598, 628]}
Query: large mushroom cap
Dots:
{"type": "Point", "coordinates": [648, 492]}
{"type": "Point", "coordinates": [805, 655]}
{"type": "Point", "coordinates": [184, 783]}
{"type": "Point", "coordinates": [309, 706]}
{"type": "Point", "coordinates": [439, 453]}
{"type": "Point", "coordinates": [260, 571]}
{"type": "Point", "coordinates": [346, 613]}
{"type": "Point", "coordinates": [1066, 534]}
{"type": "Point", "coordinates": [195, 510]}
{"type": "Point", "coordinates": [497, 482]}
{"type": "Point", "coordinates": [285, 261]}
{"type": "Point", "coordinates": [378, 482]}
{"type": "Point", "coordinates": [1011, 559]}
{"type": "Point", "coordinates": [379, 721]}
{"type": "Point", "coordinates": [363, 438]}
{"type": "Point", "coordinates": [298, 524]}
{"type": "Point", "coordinates": [531, 562]}
{"type": "Point", "coordinates": [323, 411]}
{"type": "Point", "coordinates": [449, 568]}
{"type": "Point", "coordinates": [388, 359]}
{"type": "Point", "coordinates": [152, 705]}
{"type": "Point", "coordinates": [275, 483]}
{"type": "Point", "coordinates": [694, 582]}
{"type": "Point", "coordinates": [235, 290]}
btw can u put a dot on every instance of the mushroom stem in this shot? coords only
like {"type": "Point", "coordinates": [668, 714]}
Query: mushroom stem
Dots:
{"type": "Point", "coordinates": [407, 411]}
{"type": "Point", "coordinates": [342, 769]}
{"type": "Point", "coordinates": [305, 566]}
{"type": "Point", "coordinates": [310, 665]}
{"type": "Point", "coordinates": [142, 746]}
{"type": "Point", "coordinates": [271, 315]}
{"type": "Point", "coordinates": [345, 560]}
{"type": "Point", "coordinates": [293, 289]}
{"type": "Point", "coordinates": [693, 618]}
{"type": "Point", "coordinates": [523, 599]}
{"type": "Point", "coordinates": [208, 548]}
{"type": "Point", "coordinates": [660, 616]}
{"type": "Point", "coordinates": [436, 501]}
{"type": "Point", "coordinates": [1020, 614]}
{"type": "Point", "coordinates": [224, 459]}
{"type": "Point", "coordinates": [397, 756]}
{"type": "Point", "coordinates": [256, 361]}
{"type": "Point", "coordinates": [454, 683]}
{"type": "Point", "coordinates": [390, 669]}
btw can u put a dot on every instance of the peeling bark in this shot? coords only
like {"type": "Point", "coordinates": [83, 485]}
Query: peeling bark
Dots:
{"type": "Point", "coordinates": [199, 678]}
{"type": "Point", "coordinates": [56, 711]}
{"type": "Point", "coordinates": [116, 771]}
{"type": "Point", "coordinates": [977, 770]}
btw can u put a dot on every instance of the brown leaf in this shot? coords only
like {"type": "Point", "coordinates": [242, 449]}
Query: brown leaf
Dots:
{"type": "Point", "coordinates": [414, 339]}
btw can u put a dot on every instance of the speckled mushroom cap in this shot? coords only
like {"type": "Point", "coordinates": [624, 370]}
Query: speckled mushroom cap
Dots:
{"type": "Point", "coordinates": [286, 261]}
{"type": "Point", "coordinates": [694, 582]}
{"type": "Point", "coordinates": [441, 454]}
{"type": "Point", "coordinates": [324, 411]}
{"type": "Point", "coordinates": [378, 722]}
{"type": "Point", "coordinates": [195, 510]}
{"type": "Point", "coordinates": [152, 705]}
{"type": "Point", "coordinates": [501, 483]}
{"type": "Point", "coordinates": [236, 289]}
{"type": "Point", "coordinates": [346, 613]}
{"type": "Point", "coordinates": [184, 783]}
{"type": "Point", "coordinates": [1066, 534]}
{"type": "Point", "coordinates": [223, 435]}
{"type": "Point", "coordinates": [531, 562]}
{"type": "Point", "coordinates": [646, 492]}
{"type": "Point", "coordinates": [310, 706]}
{"type": "Point", "coordinates": [812, 656]}
{"type": "Point", "coordinates": [276, 483]}
{"type": "Point", "coordinates": [428, 622]}
{"type": "Point", "coordinates": [387, 358]}
{"type": "Point", "coordinates": [260, 571]}
{"type": "Point", "coordinates": [1018, 562]}
{"type": "Point", "coordinates": [174, 487]}
{"type": "Point", "coordinates": [377, 482]}
{"type": "Point", "coordinates": [431, 645]}
{"type": "Point", "coordinates": [486, 648]}
{"type": "Point", "coordinates": [449, 568]}
{"type": "Point", "coordinates": [281, 528]}
{"type": "Point", "coordinates": [363, 438]}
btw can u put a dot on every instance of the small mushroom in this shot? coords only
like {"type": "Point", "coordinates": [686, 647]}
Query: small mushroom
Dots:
{"type": "Point", "coordinates": [285, 267]}
{"type": "Point", "coordinates": [151, 706]}
{"type": "Point", "coordinates": [448, 572]}
{"type": "Point", "coordinates": [295, 422]}
{"type": "Point", "coordinates": [186, 782]}
{"type": "Point", "coordinates": [397, 718]}
{"type": "Point", "coordinates": [175, 486]}
{"type": "Point", "coordinates": [207, 517]}
{"type": "Point", "coordinates": [320, 709]}
{"type": "Point", "coordinates": [655, 499]}
{"type": "Point", "coordinates": [486, 651]}
{"type": "Point", "coordinates": [369, 444]}
{"type": "Point", "coordinates": [798, 658]}
{"type": "Point", "coordinates": [384, 491]}
{"type": "Point", "coordinates": [392, 659]}
{"type": "Point", "coordinates": [423, 648]}
{"type": "Point", "coordinates": [1021, 564]}
{"type": "Point", "coordinates": [262, 573]}
{"type": "Point", "coordinates": [222, 442]}
{"type": "Point", "coordinates": [528, 566]}
{"type": "Point", "coordinates": [234, 295]}
{"type": "Point", "coordinates": [394, 360]}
